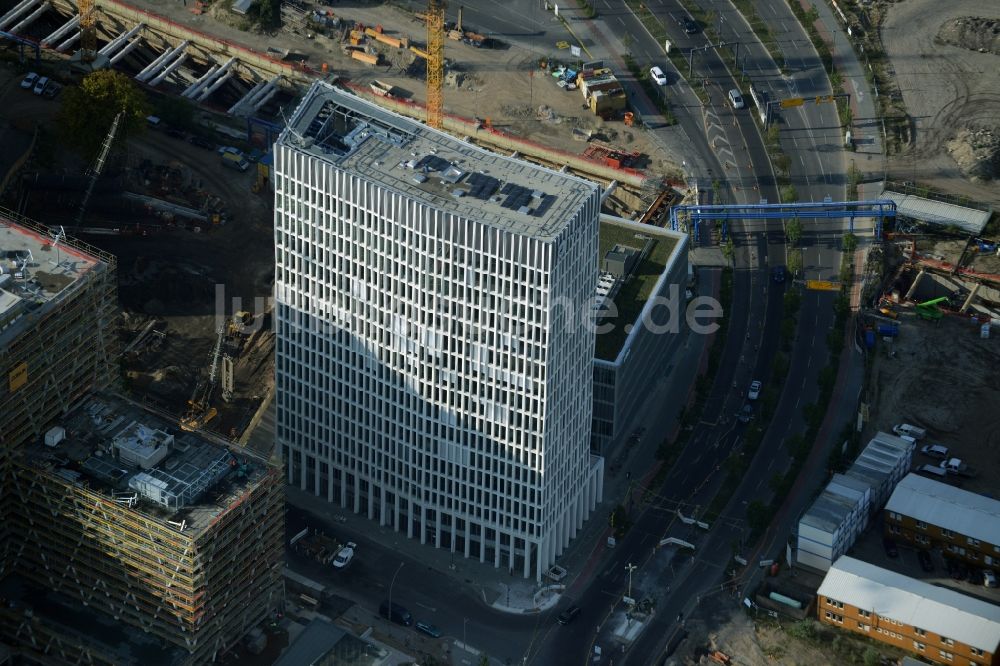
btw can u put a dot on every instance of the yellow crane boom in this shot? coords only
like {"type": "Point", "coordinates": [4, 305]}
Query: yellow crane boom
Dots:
{"type": "Point", "coordinates": [435, 63]}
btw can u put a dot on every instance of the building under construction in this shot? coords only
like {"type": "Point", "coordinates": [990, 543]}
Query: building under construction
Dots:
{"type": "Point", "coordinates": [58, 300]}
{"type": "Point", "coordinates": [121, 521]}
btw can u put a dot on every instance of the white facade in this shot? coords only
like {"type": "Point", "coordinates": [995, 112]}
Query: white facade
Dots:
{"type": "Point", "coordinates": [432, 373]}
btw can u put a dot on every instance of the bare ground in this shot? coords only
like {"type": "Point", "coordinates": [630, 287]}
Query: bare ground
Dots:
{"type": "Point", "coordinates": [945, 88]}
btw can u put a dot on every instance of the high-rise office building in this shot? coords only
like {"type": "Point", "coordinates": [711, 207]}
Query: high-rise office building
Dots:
{"type": "Point", "coordinates": [434, 357]}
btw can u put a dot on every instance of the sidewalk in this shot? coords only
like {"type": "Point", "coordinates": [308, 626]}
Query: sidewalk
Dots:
{"type": "Point", "coordinates": [866, 126]}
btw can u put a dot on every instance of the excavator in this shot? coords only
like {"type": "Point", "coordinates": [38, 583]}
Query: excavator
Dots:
{"type": "Point", "coordinates": [200, 410]}
{"type": "Point", "coordinates": [930, 310]}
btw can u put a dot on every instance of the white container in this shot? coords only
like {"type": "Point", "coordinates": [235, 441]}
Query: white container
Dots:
{"type": "Point", "coordinates": [55, 435]}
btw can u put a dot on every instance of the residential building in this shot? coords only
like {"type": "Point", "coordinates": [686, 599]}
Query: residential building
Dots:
{"type": "Point", "coordinates": [643, 271]}
{"type": "Point", "coordinates": [136, 542]}
{"type": "Point", "coordinates": [434, 355]}
{"type": "Point", "coordinates": [933, 622]}
{"type": "Point", "coordinates": [931, 514]}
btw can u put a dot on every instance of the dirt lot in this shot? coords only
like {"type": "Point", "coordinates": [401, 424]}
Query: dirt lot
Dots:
{"type": "Point", "coordinates": [941, 378]}
{"type": "Point", "coordinates": [502, 83]}
{"type": "Point", "coordinates": [946, 89]}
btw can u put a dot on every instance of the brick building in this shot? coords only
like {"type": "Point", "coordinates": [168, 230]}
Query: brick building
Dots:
{"type": "Point", "coordinates": [933, 622]}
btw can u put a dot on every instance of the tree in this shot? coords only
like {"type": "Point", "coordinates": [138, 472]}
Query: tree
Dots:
{"type": "Point", "coordinates": [268, 14]}
{"type": "Point", "coordinates": [850, 242]}
{"type": "Point", "coordinates": [88, 110]}
{"type": "Point", "coordinates": [176, 111]}
{"type": "Point", "coordinates": [758, 515]}
{"type": "Point", "coordinates": [789, 194]}
{"type": "Point", "coordinates": [793, 229]}
{"type": "Point", "coordinates": [795, 261]}
{"type": "Point", "coordinates": [729, 250]}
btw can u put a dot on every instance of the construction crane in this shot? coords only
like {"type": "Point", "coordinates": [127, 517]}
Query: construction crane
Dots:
{"type": "Point", "coordinates": [435, 63]}
{"type": "Point", "coordinates": [88, 30]}
{"type": "Point", "coordinates": [97, 167]}
{"type": "Point", "coordinates": [200, 410]}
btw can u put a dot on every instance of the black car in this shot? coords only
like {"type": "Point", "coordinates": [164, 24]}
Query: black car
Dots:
{"type": "Point", "coordinates": [201, 142]}
{"type": "Point", "coordinates": [399, 614]}
{"type": "Point", "coordinates": [690, 27]}
{"type": "Point", "coordinates": [778, 274]}
{"type": "Point", "coordinates": [890, 547]}
{"type": "Point", "coordinates": [568, 615]}
{"type": "Point", "coordinates": [175, 133]}
{"type": "Point", "coordinates": [925, 561]}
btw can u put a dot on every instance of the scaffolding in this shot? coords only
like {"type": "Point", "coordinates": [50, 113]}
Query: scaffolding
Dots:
{"type": "Point", "coordinates": [199, 578]}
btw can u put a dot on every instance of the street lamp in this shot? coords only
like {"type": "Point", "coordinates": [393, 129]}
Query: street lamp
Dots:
{"type": "Point", "coordinates": [390, 588]}
{"type": "Point", "coordinates": [630, 568]}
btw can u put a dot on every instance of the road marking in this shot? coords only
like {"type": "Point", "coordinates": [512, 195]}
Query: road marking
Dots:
{"type": "Point", "coordinates": [430, 608]}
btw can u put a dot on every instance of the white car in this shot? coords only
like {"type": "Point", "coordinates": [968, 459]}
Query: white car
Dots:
{"type": "Point", "coordinates": [41, 84]}
{"type": "Point", "coordinates": [28, 82]}
{"type": "Point", "coordinates": [989, 578]}
{"type": "Point", "coordinates": [658, 76]}
{"type": "Point", "coordinates": [736, 99]}
{"type": "Point", "coordinates": [345, 555]}
{"type": "Point", "coordinates": [754, 391]}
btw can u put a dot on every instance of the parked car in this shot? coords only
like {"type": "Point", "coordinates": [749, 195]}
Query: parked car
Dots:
{"type": "Point", "coordinates": [657, 74]}
{"type": "Point", "coordinates": [28, 82]}
{"type": "Point", "coordinates": [427, 628]}
{"type": "Point", "coordinates": [399, 614]}
{"type": "Point", "coordinates": [345, 555]}
{"type": "Point", "coordinates": [736, 99]}
{"type": "Point", "coordinates": [201, 142]}
{"type": "Point", "coordinates": [989, 578]}
{"type": "Point", "coordinates": [568, 615]}
{"type": "Point", "coordinates": [754, 391]}
{"type": "Point", "coordinates": [40, 85]}
{"type": "Point", "coordinates": [890, 547]}
{"type": "Point", "coordinates": [690, 26]}
{"type": "Point", "coordinates": [52, 90]}
{"type": "Point", "coordinates": [745, 414]}
{"type": "Point", "coordinates": [925, 561]}
{"type": "Point", "coordinates": [778, 274]}
{"type": "Point", "coordinates": [935, 451]}
{"type": "Point", "coordinates": [175, 133]}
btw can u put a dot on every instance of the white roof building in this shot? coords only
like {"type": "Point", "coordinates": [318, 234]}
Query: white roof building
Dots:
{"type": "Point", "coordinates": [940, 504]}
{"type": "Point", "coordinates": [912, 602]}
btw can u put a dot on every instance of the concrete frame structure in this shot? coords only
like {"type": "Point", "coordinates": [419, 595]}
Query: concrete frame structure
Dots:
{"type": "Point", "coordinates": [934, 622]}
{"type": "Point", "coordinates": [434, 369]}
{"type": "Point", "coordinates": [621, 385]}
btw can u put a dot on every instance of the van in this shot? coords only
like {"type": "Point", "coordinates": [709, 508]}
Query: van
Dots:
{"type": "Point", "coordinates": [933, 471]}
{"type": "Point", "coordinates": [235, 161]}
{"type": "Point", "coordinates": [399, 614]}
{"type": "Point", "coordinates": [911, 430]}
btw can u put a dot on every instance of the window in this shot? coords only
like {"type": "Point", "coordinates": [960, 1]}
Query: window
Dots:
{"type": "Point", "coordinates": [918, 646]}
{"type": "Point", "coordinates": [893, 529]}
{"type": "Point", "coordinates": [921, 525]}
{"type": "Point", "coordinates": [864, 613]}
{"type": "Point", "coordinates": [973, 542]}
{"type": "Point", "coordinates": [946, 655]}
{"type": "Point", "coordinates": [833, 617]}
{"type": "Point", "coordinates": [864, 627]}
{"type": "Point", "coordinates": [947, 641]}
{"type": "Point", "coordinates": [895, 516]}
{"type": "Point", "coordinates": [919, 632]}
{"type": "Point", "coordinates": [976, 651]}
{"type": "Point", "coordinates": [947, 534]}
{"type": "Point", "coordinates": [834, 603]}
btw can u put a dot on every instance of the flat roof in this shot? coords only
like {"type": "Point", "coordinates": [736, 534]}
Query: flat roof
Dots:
{"type": "Point", "coordinates": [829, 511]}
{"type": "Point", "coordinates": [322, 642]}
{"type": "Point", "coordinates": [938, 213]}
{"type": "Point", "coordinates": [192, 482]}
{"type": "Point", "coordinates": [946, 506]}
{"type": "Point", "coordinates": [36, 271]}
{"type": "Point", "coordinates": [913, 602]}
{"type": "Point", "coordinates": [633, 294]}
{"type": "Point", "coordinates": [433, 167]}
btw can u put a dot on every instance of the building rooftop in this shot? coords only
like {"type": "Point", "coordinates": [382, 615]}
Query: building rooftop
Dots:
{"type": "Point", "coordinates": [913, 602]}
{"type": "Point", "coordinates": [322, 642]}
{"type": "Point", "coordinates": [144, 462]}
{"type": "Point", "coordinates": [829, 511]}
{"type": "Point", "coordinates": [36, 271]}
{"type": "Point", "coordinates": [657, 247]}
{"type": "Point", "coordinates": [944, 505]}
{"type": "Point", "coordinates": [428, 165]}
{"type": "Point", "coordinates": [879, 459]}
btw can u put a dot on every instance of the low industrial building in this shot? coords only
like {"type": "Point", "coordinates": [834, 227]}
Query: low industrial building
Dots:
{"type": "Point", "coordinates": [642, 270]}
{"type": "Point", "coordinates": [933, 622]}
{"type": "Point", "coordinates": [930, 514]}
{"type": "Point", "coordinates": [844, 509]}
{"type": "Point", "coordinates": [132, 541]}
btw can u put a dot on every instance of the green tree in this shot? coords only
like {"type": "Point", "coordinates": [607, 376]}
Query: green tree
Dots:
{"type": "Point", "coordinates": [871, 656]}
{"type": "Point", "coordinates": [88, 110]}
{"type": "Point", "coordinates": [267, 13]}
{"type": "Point", "coordinates": [176, 111]}
{"type": "Point", "coordinates": [795, 261]}
{"type": "Point", "coordinates": [850, 242]}
{"type": "Point", "coordinates": [729, 250]}
{"type": "Point", "coordinates": [758, 515]}
{"type": "Point", "coordinates": [793, 229]}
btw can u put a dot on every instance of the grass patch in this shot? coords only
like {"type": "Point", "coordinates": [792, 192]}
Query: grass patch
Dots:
{"type": "Point", "coordinates": [635, 292]}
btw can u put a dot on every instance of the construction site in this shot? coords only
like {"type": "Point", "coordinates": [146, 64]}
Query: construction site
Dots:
{"type": "Point", "coordinates": [156, 530]}
{"type": "Point", "coordinates": [193, 240]}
